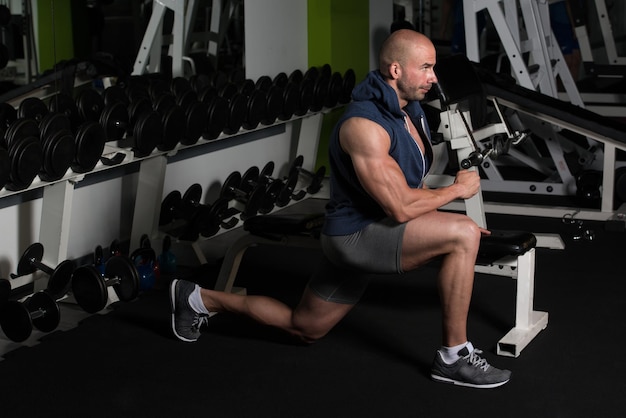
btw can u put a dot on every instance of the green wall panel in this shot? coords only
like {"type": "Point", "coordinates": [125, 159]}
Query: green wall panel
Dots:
{"type": "Point", "coordinates": [338, 32]}
{"type": "Point", "coordinates": [54, 33]}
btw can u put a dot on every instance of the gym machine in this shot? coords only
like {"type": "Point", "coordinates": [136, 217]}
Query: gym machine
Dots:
{"type": "Point", "coordinates": [571, 147]}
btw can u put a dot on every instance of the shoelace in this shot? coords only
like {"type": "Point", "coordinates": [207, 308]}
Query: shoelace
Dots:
{"type": "Point", "coordinates": [199, 321]}
{"type": "Point", "coordinates": [476, 360]}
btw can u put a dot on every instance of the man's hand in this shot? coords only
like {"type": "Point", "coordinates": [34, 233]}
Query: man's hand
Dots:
{"type": "Point", "coordinates": [470, 182]}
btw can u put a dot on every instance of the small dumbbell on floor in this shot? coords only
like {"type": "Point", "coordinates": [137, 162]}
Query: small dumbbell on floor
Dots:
{"type": "Point", "coordinates": [17, 319]}
{"type": "Point", "coordinates": [90, 286]}
{"type": "Point", "coordinates": [59, 278]}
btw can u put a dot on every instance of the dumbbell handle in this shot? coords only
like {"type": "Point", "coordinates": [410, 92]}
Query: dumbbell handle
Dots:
{"type": "Point", "coordinates": [39, 265]}
{"type": "Point", "coordinates": [38, 313]}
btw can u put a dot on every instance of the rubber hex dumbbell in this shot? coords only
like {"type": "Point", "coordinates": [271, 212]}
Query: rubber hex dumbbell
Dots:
{"type": "Point", "coordinates": [313, 180]}
{"type": "Point", "coordinates": [246, 202]}
{"type": "Point", "coordinates": [59, 278]}
{"type": "Point", "coordinates": [59, 146]}
{"type": "Point", "coordinates": [25, 153]}
{"type": "Point", "coordinates": [90, 286]}
{"type": "Point", "coordinates": [253, 178]}
{"type": "Point", "coordinates": [17, 319]}
{"type": "Point", "coordinates": [205, 220]}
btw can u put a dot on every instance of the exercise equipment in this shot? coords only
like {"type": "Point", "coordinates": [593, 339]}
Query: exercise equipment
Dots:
{"type": "Point", "coordinates": [314, 180]}
{"type": "Point", "coordinates": [247, 202]}
{"type": "Point", "coordinates": [59, 278]}
{"type": "Point", "coordinates": [17, 319]}
{"type": "Point", "coordinates": [205, 220]}
{"type": "Point", "coordinates": [90, 287]}
{"type": "Point", "coordinates": [58, 145]}
{"type": "Point", "coordinates": [253, 179]}
{"type": "Point", "coordinates": [145, 261]}
{"type": "Point", "coordinates": [25, 153]}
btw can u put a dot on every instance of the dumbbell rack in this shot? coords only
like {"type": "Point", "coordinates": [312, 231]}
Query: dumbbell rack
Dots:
{"type": "Point", "coordinates": [58, 195]}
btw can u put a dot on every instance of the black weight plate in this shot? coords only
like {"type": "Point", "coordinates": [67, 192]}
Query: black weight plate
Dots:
{"type": "Point", "coordinates": [272, 191]}
{"type": "Point", "coordinates": [58, 156]}
{"type": "Point", "coordinates": [263, 83]}
{"type": "Point", "coordinates": [250, 179]}
{"type": "Point", "coordinates": [174, 123]}
{"type": "Point", "coordinates": [44, 302]}
{"type": "Point", "coordinates": [211, 221]}
{"type": "Point", "coordinates": [275, 102]}
{"type": "Point", "coordinates": [164, 103]}
{"type": "Point", "coordinates": [114, 120]}
{"type": "Point", "coordinates": [89, 289]}
{"type": "Point", "coordinates": [253, 202]}
{"type": "Point", "coordinates": [26, 161]}
{"type": "Point", "coordinates": [136, 110]}
{"type": "Point", "coordinates": [52, 123]}
{"type": "Point", "coordinates": [335, 88]}
{"type": "Point", "coordinates": [266, 172]}
{"type": "Point", "coordinates": [285, 195]}
{"type": "Point", "coordinates": [192, 195]}
{"type": "Point", "coordinates": [180, 86]}
{"type": "Point", "coordinates": [64, 103]}
{"type": "Point", "coordinates": [90, 141]}
{"type": "Point", "coordinates": [90, 105]}
{"type": "Point", "coordinates": [281, 80]}
{"type": "Point", "coordinates": [186, 99]}
{"type": "Point", "coordinates": [306, 97]}
{"type": "Point", "coordinates": [320, 92]}
{"type": "Point", "coordinates": [236, 75]}
{"type": "Point", "coordinates": [21, 128]}
{"type": "Point", "coordinates": [199, 82]}
{"type": "Point", "coordinates": [32, 108]}
{"type": "Point", "coordinates": [316, 182]}
{"type": "Point", "coordinates": [312, 73]}
{"type": "Point", "coordinates": [159, 88]}
{"type": "Point", "coordinates": [219, 79]}
{"type": "Point", "coordinates": [296, 164]}
{"type": "Point", "coordinates": [196, 116]}
{"type": "Point", "coordinates": [121, 268]}
{"type": "Point", "coordinates": [237, 108]}
{"type": "Point", "coordinates": [247, 87]}
{"type": "Point", "coordinates": [349, 80]}
{"type": "Point", "coordinates": [5, 290]}
{"type": "Point", "coordinates": [147, 133]}
{"type": "Point", "coordinates": [218, 112]}
{"type": "Point", "coordinates": [115, 94]}
{"type": "Point", "coordinates": [34, 252]}
{"type": "Point", "coordinates": [5, 167]}
{"type": "Point", "coordinates": [228, 91]}
{"type": "Point", "coordinates": [8, 114]}
{"type": "Point", "coordinates": [257, 108]}
{"type": "Point", "coordinates": [232, 182]}
{"type": "Point", "coordinates": [15, 321]}
{"type": "Point", "coordinates": [61, 278]}
{"type": "Point", "coordinates": [291, 101]}
{"type": "Point", "coordinates": [296, 76]}
{"type": "Point", "coordinates": [170, 208]}
{"type": "Point", "coordinates": [137, 92]}
{"type": "Point", "coordinates": [207, 95]}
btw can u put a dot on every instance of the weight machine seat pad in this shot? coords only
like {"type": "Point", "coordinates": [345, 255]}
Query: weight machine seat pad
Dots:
{"type": "Point", "coordinates": [503, 243]}
{"type": "Point", "coordinates": [275, 225]}
{"type": "Point", "coordinates": [503, 87]}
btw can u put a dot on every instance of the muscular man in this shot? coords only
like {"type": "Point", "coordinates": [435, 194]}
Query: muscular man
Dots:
{"type": "Point", "coordinates": [380, 218]}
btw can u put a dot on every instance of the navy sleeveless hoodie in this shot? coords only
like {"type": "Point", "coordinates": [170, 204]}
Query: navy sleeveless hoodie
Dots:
{"type": "Point", "coordinates": [350, 207]}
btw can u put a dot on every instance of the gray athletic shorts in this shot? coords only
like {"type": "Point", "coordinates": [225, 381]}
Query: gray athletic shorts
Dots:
{"type": "Point", "coordinates": [349, 259]}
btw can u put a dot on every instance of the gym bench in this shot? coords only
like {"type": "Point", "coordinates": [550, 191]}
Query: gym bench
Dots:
{"type": "Point", "coordinates": [503, 253]}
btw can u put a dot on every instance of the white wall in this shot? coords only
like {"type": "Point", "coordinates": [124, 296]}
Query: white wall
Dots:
{"type": "Point", "coordinates": [275, 37]}
{"type": "Point", "coordinates": [381, 16]}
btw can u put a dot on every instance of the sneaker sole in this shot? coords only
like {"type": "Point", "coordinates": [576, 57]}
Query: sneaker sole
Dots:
{"type": "Point", "coordinates": [442, 379]}
{"type": "Point", "coordinates": [173, 309]}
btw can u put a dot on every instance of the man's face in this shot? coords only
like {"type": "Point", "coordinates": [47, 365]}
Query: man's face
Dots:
{"type": "Point", "coordinates": [418, 74]}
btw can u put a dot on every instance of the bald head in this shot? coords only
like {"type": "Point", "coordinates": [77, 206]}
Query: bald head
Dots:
{"type": "Point", "coordinates": [401, 45]}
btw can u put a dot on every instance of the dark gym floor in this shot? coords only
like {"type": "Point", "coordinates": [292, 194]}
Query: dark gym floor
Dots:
{"type": "Point", "coordinates": [375, 363]}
